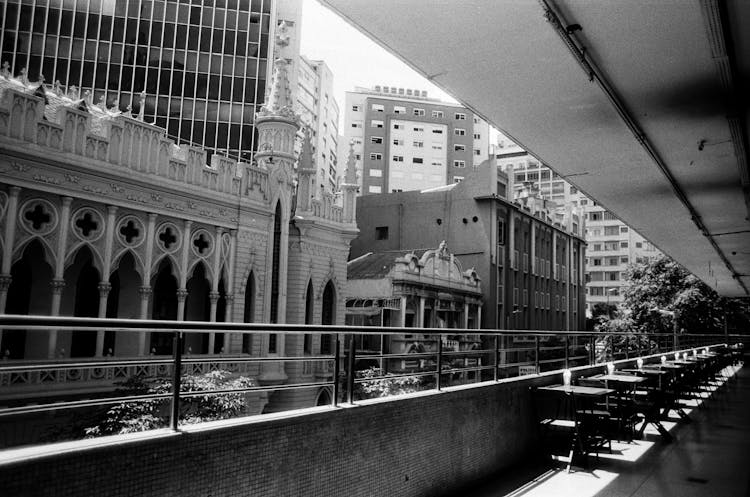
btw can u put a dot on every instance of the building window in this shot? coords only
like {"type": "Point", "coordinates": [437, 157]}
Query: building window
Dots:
{"type": "Point", "coordinates": [459, 148]}
{"type": "Point", "coordinates": [458, 179]}
{"type": "Point", "coordinates": [397, 109]}
{"type": "Point", "coordinates": [373, 189]}
{"type": "Point", "coordinates": [477, 151]}
{"type": "Point", "coordinates": [398, 158]}
{"type": "Point", "coordinates": [376, 156]}
{"type": "Point", "coordinates": [376, 139]}
{"type": "Point", "coordinates": [638, 245]}
{"type": "Point", "coordinates": [437, 163]}
{"type": "Point", "coordinates": [437, 114]}
{"type": "Point", "coordinates": [459, 132]}
{"type": "Point", "coordinates": [477, 136]}
{"type": "Point", "coordinates": [437, 131]}
{"type": "Point", "coordinates": [418, 144]}
{"type": "Point", "coordinates": [623, 244]}
{"type": "Point", "coordinates": [378, 107]}
{"type": "Point", "coordinates": [418, 129]}
{"type": "Point", "coordinates": [376, 124]}
{"type": "Point", "coordinates": [376, 173]}
{"type": "Point", "coordinates": [623, 229]}
{"type": "Point", "coordinates": [611, 230]}
{"type": "Point", "coordinates": [356, 125]}
{"type": "Point", "coordinates": [398, 142]}
{"type": "Point", "coordinates": [358, 156]}
{"type": "Point", "coordinates": [355, 108]}
{"type": "Point", "coordinates": [460, 116]}
{"type": "Point", "coordinates": [437, 146]}
{"type": "Point", "coordinates": [397, 126]}
{"type": "Point", "coordinates": [381, 233]}
{"type": "Point", "coordinates": [459, 163]}
{"type": "Point", "coordinates": [418, 112]}
{"type": "Point", "coordinates": [417, 160]}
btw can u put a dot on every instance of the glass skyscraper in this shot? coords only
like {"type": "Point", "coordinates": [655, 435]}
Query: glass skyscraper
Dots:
{"type": "Point", "coordinates": [201, 64]}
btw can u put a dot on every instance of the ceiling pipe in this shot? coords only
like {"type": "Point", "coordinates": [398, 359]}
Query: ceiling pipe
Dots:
{"type": "Point", "coordinates": [596, 75]}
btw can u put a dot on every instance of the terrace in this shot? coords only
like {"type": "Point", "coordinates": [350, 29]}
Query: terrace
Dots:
{"type": "Point", "coordinates": [476, 420]}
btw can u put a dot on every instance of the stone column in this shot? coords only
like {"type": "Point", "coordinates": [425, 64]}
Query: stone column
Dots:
{"type": "Point", "coordinates": [58, 281]}
{"type": "Point", "coordinates": [466, 315]}
{"type": "Point", "coordinates": [145, 293]}
{"type": "Point", "coordinates": [104, 288]}
{"type": "Point", "coordinates": [182, 289]}
{"type": "Point", "coordinates": [230, 275]}
{"type": "Point", "coordinates": [402, 317]}
{"type": "Point", "coordinates": [213, 297]}
{"type": "Point", "coordinates": [479, 316]}
{"type": "Point", "coordinates": [57, 288]}
{"type": "Point", "coordinates": [9, 238]}
{"type": "Point", "coordinates": [420, 322]}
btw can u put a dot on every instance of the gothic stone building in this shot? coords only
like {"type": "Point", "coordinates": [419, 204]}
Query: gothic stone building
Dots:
{"type": "Point", "coordinates": [102, 215]}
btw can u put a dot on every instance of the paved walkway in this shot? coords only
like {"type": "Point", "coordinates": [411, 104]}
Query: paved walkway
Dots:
{"type": "Point", "coordinates": [709, 457]}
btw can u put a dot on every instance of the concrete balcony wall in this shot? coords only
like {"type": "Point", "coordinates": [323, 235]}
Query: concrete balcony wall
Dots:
{"type": "Point", "coordinates": [422, 444]}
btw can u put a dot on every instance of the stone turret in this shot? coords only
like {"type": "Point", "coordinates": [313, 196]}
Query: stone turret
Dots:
{"type": "Point", "coordinates": [349, 187]}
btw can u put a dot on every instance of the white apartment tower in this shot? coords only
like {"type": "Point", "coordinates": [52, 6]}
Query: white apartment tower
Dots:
{"type": "Point", "coordinates": [319, 112]}
{"type": "Point", "coordinates": [403, 140]}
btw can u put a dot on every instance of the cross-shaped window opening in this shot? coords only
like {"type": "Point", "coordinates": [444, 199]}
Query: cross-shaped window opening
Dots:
{"type": "Point", "coordinates": [130, 232]}
{"type": "Point", "coordinates": [86, 224]}
{"type": "Point", "coordinates": [38, 217]}
{"type": "Point", "coordinates": [167, 238]}
{"type": "Point", "coordinates": [201, 243]}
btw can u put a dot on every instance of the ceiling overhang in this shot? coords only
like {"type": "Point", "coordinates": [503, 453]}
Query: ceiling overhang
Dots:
{"type": "Point", "coordinates": [640, 108]}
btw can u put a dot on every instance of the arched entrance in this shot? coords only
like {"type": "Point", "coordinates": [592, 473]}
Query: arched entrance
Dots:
{"type": "Point", "coordinates": [123, 301]}
{"type": "Point", "coordinates": [29, 293]}
{"type": "Point", "coordinates": [197, 308]}
{"type": "Point", "coordinates": [164, 305]}
{"type": "Point", "coordinates": [80, 298]}
{"type": "Point", "coordinates": [309, 316]}
{"type": "Point", "coordinates": [249, 312]}
{"type": "Point", "coordinates": [328, 315]}
{"type": "Point", "coordinates": [324, 398]}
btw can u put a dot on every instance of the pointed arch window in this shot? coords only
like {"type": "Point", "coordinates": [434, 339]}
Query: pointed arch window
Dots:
{"type": "Point", "coordinates": [275, 264]}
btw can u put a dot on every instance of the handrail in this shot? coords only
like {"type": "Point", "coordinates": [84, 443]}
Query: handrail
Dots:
{"type": "Point", "coordinates": [435, 368]}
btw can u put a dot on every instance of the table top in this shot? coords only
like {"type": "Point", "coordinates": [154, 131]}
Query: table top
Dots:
{"type": "Point", "coordinates": [648, 369]}
{"type": "Point", "coordinates": [578, 390]}
{"type": "Point", "coordinates": [622, 378]}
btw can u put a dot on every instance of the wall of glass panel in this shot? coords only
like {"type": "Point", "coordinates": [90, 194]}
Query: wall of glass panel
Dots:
{"type": "Point", "coordinates": [202, 65]}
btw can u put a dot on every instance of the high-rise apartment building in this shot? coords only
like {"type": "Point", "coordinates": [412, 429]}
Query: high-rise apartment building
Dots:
{"type": "Point", "coordinates": [197, 69]}
{"type": "Point", "coordinates": [319, 111]}
{"type": "Point", "coordinates": [404, 140]}
{"type": "Point", "coordinates": [612, 244]}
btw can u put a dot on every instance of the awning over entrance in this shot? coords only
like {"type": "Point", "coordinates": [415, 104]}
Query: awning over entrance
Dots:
{"type": "Point", "coordinates": [636, 103]}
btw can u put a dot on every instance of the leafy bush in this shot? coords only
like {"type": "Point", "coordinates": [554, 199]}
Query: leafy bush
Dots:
{"type": "Point", "coordinates": [141, 415]}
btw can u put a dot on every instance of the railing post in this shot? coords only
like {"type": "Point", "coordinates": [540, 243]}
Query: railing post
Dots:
{"type": "Point", "coordinates": [497, 356]}
{"type": "Point", "coordinates": [350, 371]}
{"type": "Point", "coordinates": [438, 379]}
{"type": "Point", "coordinates": [336, 370]}
{"type": "Point", "coordinates": [176, 376]}
{"type": "Point", "coordinates": [567, 351]}
{"type": "Point", "coordinates": [536, 353]}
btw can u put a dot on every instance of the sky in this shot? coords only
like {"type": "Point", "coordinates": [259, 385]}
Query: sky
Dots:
{"type": "Point", "coordinates": [353, 58]}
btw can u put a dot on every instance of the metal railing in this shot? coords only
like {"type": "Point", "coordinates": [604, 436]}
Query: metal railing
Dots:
{"type": "Point", "coordinates": [407, 359]}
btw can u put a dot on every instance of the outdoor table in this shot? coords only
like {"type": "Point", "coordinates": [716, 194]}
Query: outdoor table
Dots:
{"type": "Point", "coordinates": [571, 393]}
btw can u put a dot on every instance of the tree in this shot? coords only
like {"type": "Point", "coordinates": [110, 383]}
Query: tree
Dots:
{"type": "Point", "coordinates": [663, 294]}
{"type": "Point", "coordinates": [128, 417]}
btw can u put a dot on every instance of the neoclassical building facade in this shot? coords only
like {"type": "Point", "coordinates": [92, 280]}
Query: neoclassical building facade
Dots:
{"type": "Point", "coordinates": [102, 215]}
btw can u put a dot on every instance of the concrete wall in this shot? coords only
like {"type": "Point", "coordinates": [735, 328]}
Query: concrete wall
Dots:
{"type": "Point", "coordinates": [422, 444]}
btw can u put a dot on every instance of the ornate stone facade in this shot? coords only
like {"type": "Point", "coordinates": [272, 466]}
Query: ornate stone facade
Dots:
{"type": "Point", "coordinates": [102, 215]}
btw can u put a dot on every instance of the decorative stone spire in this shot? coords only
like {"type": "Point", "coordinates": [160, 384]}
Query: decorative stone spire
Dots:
{"type": "Point", "coordinates": [279, 99]}
{"type": "Point", "coordinates": [142, 105]}
{"type": "Point", "coordinates": [350, 175]}
{"type": "Point", "coordinates": [349, 187]}
{"type": "Point", "coordinates": [306, 173]}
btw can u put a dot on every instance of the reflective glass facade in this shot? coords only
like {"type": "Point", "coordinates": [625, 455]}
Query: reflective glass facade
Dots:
{"type": "Point", "coordinates": [202, 64]}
